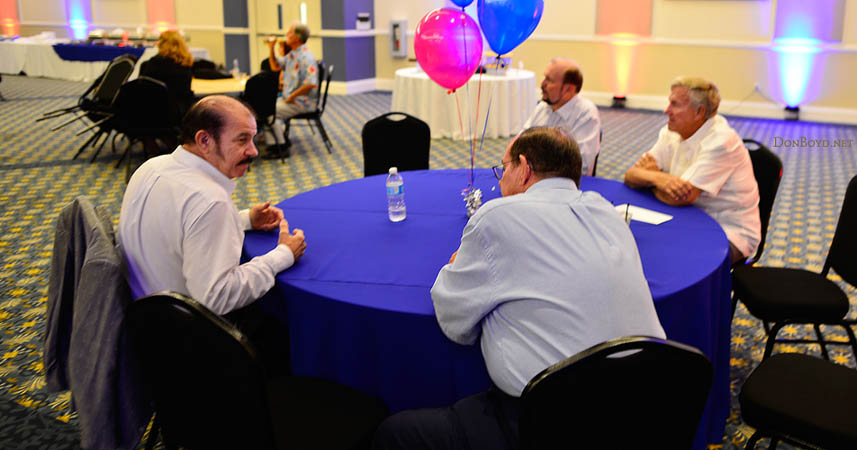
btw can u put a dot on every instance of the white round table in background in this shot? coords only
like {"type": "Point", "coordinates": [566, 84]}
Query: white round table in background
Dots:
{"type": "Point", "coordinates": [512, 96]}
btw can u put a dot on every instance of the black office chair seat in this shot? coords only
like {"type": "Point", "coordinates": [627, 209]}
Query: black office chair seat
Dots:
{"type": "Point", "coordinates": [775, 294]}
{"type": "Point", "coordinates": [803, 399]}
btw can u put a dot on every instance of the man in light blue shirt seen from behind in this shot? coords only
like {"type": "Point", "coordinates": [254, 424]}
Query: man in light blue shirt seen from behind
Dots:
{"type": "Point", "coordinates": [543, 273]}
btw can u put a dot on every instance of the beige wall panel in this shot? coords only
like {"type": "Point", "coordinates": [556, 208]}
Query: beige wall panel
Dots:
{"type": "Point", "coordinates": [213, 41]}
{"type": "Point", "coordinates": [410, 10]}
{"type": "Point", "coordinates": [119, 13]}
{"type": "Point", "coordinates": [385, 66]}
{"type": "Point", "coordinates": [199, 13]}
{"type": "Point", "coordinates": [568, 18]}
{"type": "Point", "coordinates": [838, 77]}
{"type": "Point", "coordinates": [849, 23]}
{"type": "Point", "coordinates": [713, 19]}
{"type": "Point", "coordinates": [266, 16]}
{"type": "Point", "coordinates": [61, 32]}
{"type": "Point", "coordinates": [41, 11]}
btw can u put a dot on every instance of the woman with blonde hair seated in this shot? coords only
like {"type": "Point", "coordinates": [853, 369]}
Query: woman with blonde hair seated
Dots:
{"type": "Point", "coordinates": [172, 65]}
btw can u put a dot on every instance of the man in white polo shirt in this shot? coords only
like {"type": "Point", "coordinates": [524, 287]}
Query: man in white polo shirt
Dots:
{"type": "Point", "coordinates": [699, 159]}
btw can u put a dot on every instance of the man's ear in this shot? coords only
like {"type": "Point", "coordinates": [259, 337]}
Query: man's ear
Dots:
{"type": "Point", "coordinates": [203, 139]}
{"type": "Point", "coordinates": [526, 170]}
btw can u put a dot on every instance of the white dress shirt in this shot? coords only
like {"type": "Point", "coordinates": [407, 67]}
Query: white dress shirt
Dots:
{"type": "Point", "coordinates": [715, 161]}
{"type": "Point", "coordinates": [541, 276]}
{"type": "Point", "coordinates": [181, 232]}
{"type": "Point", "coordinates": [578, 118]}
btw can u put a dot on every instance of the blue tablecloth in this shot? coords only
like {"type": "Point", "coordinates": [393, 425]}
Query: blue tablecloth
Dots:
{"type": "Point", "coordinates": [87, 52]}
{"type": "Point", "coordinates": [359, 309]}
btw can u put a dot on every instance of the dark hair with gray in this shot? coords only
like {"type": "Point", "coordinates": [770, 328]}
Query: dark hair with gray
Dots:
{"type": "Point", "coordinates": [572, 74]}
{"type": "Point", "coordinates": [209, 115]}
{"type": "Point", "coordinates": [702, 93]}
{"type": "Point", "coordinates": [550, 153]}
{"type": "Point", "coordinates": [301, 31]}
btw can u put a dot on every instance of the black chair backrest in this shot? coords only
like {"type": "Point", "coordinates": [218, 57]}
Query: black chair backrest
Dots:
{"type": "Point", "coordinates": [625, 393]}
{"type": "Point", "coordinates": [143, 107]}
{"type": "Point", "coordinates": [768, 170]}
{"type": "Point", "coordinates": [395, 139]}
{"type": "Point", "coordinates": [326, 75]}
{"type": "Point", "coordinates": [842, 256]}
{"type": "Point", "coordinates": [106, 87]}
{"type": "Point", "coordinates": [207, 384]}
{"type": "Point", "coordinates": [260, 93]}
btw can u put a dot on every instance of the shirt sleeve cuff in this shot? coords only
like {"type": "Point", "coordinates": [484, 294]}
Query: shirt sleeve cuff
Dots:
{"type": "Point", "coordinates": [244, 214]}
{"type": "Point", "coordinates": [283, 258]}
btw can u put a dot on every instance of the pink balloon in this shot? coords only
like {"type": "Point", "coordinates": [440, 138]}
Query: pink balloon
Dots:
{"type": "Point", "coordinates": [448, 45]}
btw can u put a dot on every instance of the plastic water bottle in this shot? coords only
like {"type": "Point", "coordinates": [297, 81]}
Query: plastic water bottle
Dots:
{"type": "Point", "coordinates": [236, 71]}
{"type": "Point", "coordinates": [395, 196]}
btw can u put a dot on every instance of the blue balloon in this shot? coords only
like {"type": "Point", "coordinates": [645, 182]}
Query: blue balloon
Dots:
{"type": "Point", "coordinates": [507, 23]}
{"type": "Point", "coordinates": [462, 3]}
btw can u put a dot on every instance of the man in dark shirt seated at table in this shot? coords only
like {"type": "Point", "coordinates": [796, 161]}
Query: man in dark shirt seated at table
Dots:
{"type": "Point", "coordinates": [541, 274]}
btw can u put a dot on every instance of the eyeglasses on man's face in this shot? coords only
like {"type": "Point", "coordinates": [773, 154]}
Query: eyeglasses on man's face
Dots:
{"type": "Point", "coordinates": [498, 169]}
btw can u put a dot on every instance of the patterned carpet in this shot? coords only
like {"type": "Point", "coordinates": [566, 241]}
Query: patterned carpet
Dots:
{"type": "Point", "coordinates": [38, 177]}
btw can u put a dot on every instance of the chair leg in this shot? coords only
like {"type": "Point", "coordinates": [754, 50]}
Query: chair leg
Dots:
{"type": "Point", "coordinates": [86, 144]}
{"type": "Point", "coordinates": [99, 146]}
{"type": "Point", "coordinates": [851, 337]}
{"type": "Point", "coordinates": [774, 442]}
{"type": "Point", "coordinates": [772, 337]}
{"type": "Point", "coordinates": [323, 132]}
{"type": "Point", "coordinates": [734, 304]}
{"type": "Point", "coordinates": [751, 443]}
{"type": "Point", "coordinates": [820, 337]}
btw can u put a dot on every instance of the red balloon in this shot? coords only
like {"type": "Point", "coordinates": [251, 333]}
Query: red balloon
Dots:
{"type": "Point", "coordinates": [448, 45]}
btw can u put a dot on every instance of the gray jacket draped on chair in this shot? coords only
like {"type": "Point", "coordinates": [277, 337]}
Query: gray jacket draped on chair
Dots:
{"type": "Point", "coordinates": [85, 349]}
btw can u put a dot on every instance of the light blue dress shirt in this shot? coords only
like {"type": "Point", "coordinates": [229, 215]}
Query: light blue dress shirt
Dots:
{"type": "Point", "coordinates": [541, 276]}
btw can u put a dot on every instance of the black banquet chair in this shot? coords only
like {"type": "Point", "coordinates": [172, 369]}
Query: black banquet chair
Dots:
{"type": "Point", "coordinates": [142, 114]}
{"type": "Point", "coordinates": [210, 390]}
{"type": "Point", "coordinates": [802, 400]}
{"type": "Point", "coordinates": [768, 171]}
{"type": "Point", "coordinates": [260, 93]}
{"type": "Point", "coordinates": [313, 117]}
{"type": "Point", "coordinates": [629, 392]}
{"type": "Point", "coordinates": [96, 103]}
{"type": "Point", "coordinates": [395, 139]}
{"type": "Point", "coordinates": [782, 296]}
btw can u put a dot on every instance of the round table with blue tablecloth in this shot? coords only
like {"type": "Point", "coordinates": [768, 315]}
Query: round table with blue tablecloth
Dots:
{"type": "Point", "coordinates": [359, 310]}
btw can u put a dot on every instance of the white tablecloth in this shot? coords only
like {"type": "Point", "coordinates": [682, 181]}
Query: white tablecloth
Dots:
{"type": "Point", "coordinates": [512, 96]}
{"type": "Point", "coordinates": [38, 59]}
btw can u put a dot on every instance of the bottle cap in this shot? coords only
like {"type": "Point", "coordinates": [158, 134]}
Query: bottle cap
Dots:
{"type": "Point", "coordinates": [394, 170]}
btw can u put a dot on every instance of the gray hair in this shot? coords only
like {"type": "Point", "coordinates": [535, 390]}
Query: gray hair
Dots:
{"type": "Point", "coordinates": [301, 31]}
{"type": "Point", "coordinates": [702, 93]}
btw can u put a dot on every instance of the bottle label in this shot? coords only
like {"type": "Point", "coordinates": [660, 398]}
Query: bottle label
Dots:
{"type": "Point", "coordinates": [395, 190]}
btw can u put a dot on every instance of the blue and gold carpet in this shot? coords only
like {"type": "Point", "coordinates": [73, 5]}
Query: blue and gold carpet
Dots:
{"type": "Point", "coordinates": [38, 177]}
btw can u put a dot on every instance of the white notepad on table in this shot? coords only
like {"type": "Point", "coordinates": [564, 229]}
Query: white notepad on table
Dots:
{"type": "Point", "coordinates": [643, 214]}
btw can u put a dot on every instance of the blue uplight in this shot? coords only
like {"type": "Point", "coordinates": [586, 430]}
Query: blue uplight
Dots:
{"type": "Point", "coordinates": [796, 59]}
{"type": "Point", "coordinates": [78, 14]}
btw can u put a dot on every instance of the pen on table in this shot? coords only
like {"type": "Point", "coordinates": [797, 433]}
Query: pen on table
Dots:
{"type": "Point", "coordinates": [627, 205]}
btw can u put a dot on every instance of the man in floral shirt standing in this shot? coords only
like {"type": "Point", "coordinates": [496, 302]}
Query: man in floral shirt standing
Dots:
{"type": "Point", "coordinates": [300, 77]}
